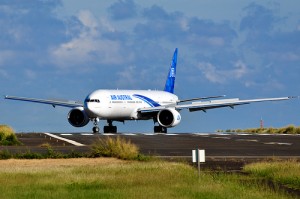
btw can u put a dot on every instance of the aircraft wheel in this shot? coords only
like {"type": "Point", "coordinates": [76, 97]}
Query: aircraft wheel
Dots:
{"type": "Point", "coordinates": [160, 129]}
{"type": "Point", "coordinates": [114, 129]}
{"type": "Point", "coordinates": [106, 129]}
{"type": "Point", "coordinates": [110, 129]}
{"type": "Point", "coordinates": [95, 129]}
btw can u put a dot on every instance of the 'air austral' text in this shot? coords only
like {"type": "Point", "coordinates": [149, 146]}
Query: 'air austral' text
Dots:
{"type": "Point", "coordinates": [120, 97]}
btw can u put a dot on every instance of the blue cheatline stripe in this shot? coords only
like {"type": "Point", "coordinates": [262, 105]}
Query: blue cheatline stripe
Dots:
{"type": "Point", "coordinates": [147, 100]}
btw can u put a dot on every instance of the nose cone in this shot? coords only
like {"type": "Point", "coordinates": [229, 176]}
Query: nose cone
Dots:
{"type": "Point", "coordinates": [89, 107]}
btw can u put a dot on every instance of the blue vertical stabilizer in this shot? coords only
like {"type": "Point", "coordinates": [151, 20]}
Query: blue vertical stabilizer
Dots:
{"type": "Point", "coordinates": [170, 83]}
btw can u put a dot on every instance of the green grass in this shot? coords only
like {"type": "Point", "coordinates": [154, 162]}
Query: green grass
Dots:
{"type": "Point", "coordinates": [113, 178]}
{"type": "Point", "coordinates": [285, 173]}
{"type": "Point", "coordinates": [8, 136]}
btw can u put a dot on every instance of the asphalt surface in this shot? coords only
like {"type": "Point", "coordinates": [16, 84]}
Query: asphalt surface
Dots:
{"type": "Point", "coordinates": [175, 145]}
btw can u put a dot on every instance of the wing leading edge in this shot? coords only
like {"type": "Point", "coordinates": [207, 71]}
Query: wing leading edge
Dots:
{"type": "Point", "coordinates": [70, 104]}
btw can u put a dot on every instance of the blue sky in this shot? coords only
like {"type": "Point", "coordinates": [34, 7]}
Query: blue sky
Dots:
{"type": "Point", "coordinates": [64, 49]}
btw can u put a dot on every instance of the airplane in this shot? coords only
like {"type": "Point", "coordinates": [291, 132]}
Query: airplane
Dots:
{"type": "Point", "coordinates": [163, 107]}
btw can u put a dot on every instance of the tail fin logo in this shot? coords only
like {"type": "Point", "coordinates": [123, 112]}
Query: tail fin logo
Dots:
{"type": "Point", "coordinates": [170, 83]}
{"type": "Point", "coordinates": [172, 73]}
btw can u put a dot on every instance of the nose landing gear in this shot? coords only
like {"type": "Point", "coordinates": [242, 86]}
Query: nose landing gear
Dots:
{"type": "Point", "coordinates": [96, 127]}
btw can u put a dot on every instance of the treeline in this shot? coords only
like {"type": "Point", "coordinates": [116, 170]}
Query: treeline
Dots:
{"type": "Point", "coordinates": [291, 129]}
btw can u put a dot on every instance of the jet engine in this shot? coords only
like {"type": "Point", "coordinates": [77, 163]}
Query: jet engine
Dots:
{"type": "Point", "coordinates": [77, 117]}
{"type": "Point", "coordinates": [168, 117]}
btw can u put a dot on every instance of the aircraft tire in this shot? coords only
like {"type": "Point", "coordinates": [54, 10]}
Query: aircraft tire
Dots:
{"type": "Point", "coordinates": [95, 129]}
{"type": "Point", "coordinates": [160, 129]}
{"type": "Point", "coordinates": [110, 129]}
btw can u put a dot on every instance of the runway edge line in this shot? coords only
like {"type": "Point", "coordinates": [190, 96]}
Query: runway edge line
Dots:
{"type": "Point", "coordinates": [64, 139]}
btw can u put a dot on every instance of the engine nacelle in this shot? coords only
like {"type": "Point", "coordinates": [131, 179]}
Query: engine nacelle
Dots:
{"type": "Point", "coordinates": [77, 117]}
{"type": "Point", "coordinates": [168, 117]}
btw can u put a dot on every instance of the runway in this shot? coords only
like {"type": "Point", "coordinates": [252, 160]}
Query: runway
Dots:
{"type": "Point", "coordinates": [173, 145]}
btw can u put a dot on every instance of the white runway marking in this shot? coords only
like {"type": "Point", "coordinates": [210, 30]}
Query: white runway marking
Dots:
{"type": "Point", "coordinates": [220, 134]}
{"type": "Point", "coordinates": [279, 143]}
{"type": "Point", "coordinates": [64, 139]}
{"type": "Point", "coordinates": [225, 138]}
{"type": "Point", "coordinates": [171, 134]}
{"type": "Point", "coordinates": [202, 134]}
{"type": "Point", "coordinates": [86, 134]}
{"type": "Point", "coordinates": [109, 134]}
{"type": "Point", "coordinates": [129, 134]}
{"type": "Point", "coordinates": [247, 140]}
{"type": "Point", "coordinates": [65, 134]}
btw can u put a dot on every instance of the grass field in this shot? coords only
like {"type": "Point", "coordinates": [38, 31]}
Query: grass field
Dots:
{"type": "Point", "coordinates": [286, 173]}
{"type": "Point", "coordinates": [113, 178]}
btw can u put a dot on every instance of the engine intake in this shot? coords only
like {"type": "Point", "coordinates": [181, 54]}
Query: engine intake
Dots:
{"type": "Point", "coordinates": [78, 118]}
{"type": "Point", "coordinates": [168, 117]}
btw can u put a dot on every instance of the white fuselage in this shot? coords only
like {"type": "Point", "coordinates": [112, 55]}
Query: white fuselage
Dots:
{"type": "Point", "coordinates": [124, 104]}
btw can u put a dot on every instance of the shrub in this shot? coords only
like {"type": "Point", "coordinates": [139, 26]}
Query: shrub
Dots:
{"type": "Point", "coordinates": [8, 136]}
{"type": "Point", "coordinates": [5, 154]}
{"type": "Point", "coordinates": [118, 147]}
{"type": "Point", "coordinates": [28, 155]}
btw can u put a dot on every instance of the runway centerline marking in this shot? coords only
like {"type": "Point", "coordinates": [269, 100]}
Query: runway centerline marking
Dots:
{"type": "Point", "coordinates": [64, 139]}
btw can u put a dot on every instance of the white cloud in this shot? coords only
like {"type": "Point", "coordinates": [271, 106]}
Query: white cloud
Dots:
{"type": "Point", "coordinates": [89, 21]}
{"type": "Point", "coordinates": [3, 73]}
{"type": "Point", "coordinates": [221, 76]}
{"type": "Point", "coordinates": [88, 46]}
{"type": "Point", "coordinates": [268, 85]}
{"type": "Point", "coordinates": [30, 74]}
{"type": "Point", "coordinates": [128, 75]}
{"type": "Point", "coordinates": [6, 56]}
{"type": "Point", "coordinates": [289, 56]}
{"type": "Point", "coordinates": [216, 41]}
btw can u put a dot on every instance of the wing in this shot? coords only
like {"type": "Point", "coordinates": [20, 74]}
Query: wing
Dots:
{"type": "Point", "coordinates": [212, 104]}
{"type": "Point", "coordinates": [70, 104]}
{"type": "Point", "coordinates": [205, 105]}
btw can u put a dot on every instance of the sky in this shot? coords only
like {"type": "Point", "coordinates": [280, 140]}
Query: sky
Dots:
{"type": "Point", "coordinates": [65, 49]}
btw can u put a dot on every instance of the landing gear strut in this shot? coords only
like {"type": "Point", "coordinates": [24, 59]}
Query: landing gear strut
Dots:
{"type": "Point", "coordinates": [160, 129]}
{"type": "Point", "coordinates": [96, 127]}
{"type": "Point", "coordinates": [110, 128]}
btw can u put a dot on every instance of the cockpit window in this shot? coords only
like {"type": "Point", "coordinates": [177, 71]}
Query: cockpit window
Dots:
{"type": "Point", "coordinates": [92, 100]}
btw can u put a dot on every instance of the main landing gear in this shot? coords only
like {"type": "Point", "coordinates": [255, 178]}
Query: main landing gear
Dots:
{"type": "Point", "coordinates": [110, 128]}
{"type": "Point", "coordinates": [160, 129]}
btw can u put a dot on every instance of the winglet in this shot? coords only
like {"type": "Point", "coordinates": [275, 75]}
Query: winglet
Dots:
{"type": "Point", "coordinates": [170, 83]}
